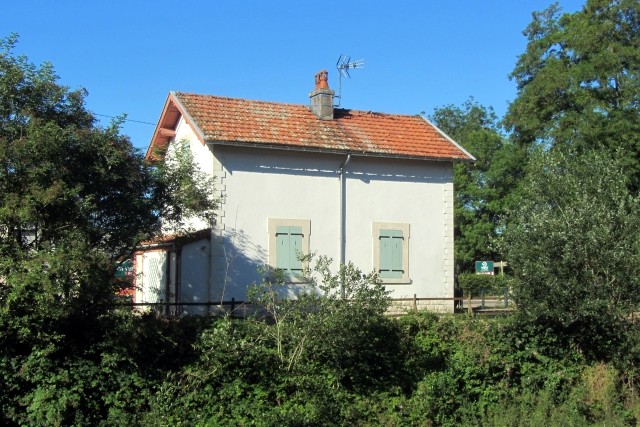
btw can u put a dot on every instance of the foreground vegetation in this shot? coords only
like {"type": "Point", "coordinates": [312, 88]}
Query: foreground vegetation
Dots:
{"type": "Point", "coordinates": [420, 369]}
{"type": "Point", "coordinates": [318, 360]}
{"type": "Point", "coordinates": [339, 364]}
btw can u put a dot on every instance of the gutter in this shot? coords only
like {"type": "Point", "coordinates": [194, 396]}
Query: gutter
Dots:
{"type": "Point", "coordinates": [338, 151]}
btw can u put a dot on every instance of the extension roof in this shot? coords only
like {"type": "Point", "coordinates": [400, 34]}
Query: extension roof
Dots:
{"type": "Point", "coordinates": [242, 122]}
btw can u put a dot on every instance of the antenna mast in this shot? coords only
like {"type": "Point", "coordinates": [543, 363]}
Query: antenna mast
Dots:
{"type": "Point", "coordinates": [343, 65]}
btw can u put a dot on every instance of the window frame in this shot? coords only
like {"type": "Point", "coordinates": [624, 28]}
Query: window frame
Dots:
{"type": "Point", "coordinates": [403, 228]}
{"type": "Point", "coordinates": [274, 224]}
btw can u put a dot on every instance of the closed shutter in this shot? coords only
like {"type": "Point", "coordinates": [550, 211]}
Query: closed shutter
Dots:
{"type": "Point", "coordinates": [295, 251]}
{"type": "Point", "coordinates": [391, 244]}
{"type": "Point", "coordinates": [289, 249]}
{"type": "Point", "coordinates": [282, 248]}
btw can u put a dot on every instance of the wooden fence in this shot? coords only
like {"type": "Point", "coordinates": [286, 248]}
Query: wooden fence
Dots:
{"type": "Point", "coordinates": [488, 305]}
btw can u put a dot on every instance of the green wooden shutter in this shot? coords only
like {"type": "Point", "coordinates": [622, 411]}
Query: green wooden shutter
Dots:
{"type": "Point", "coordinates": [295, 250]}
{"type": "Point", "coordinates": [391, 248]}
{"type": "Point", "coordinates": [282, 247]}
{"type": "Point", "coordinates": [288, 249]}
{"type": "Point", "coordinates": [385, 254]}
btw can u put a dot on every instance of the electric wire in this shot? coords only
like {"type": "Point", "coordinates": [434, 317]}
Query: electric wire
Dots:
{"type": "Point", "coordinates": [126, 120]}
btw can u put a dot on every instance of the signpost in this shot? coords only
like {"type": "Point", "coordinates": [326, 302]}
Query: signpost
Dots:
{"type": "Point", "coordinates": [484, 267]}
{"type": "Point", "coordinates": [124, 269]}
{"type": "Point", "coordinates": [124, 272]}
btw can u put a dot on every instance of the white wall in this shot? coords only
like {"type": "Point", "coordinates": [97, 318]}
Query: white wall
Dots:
{"type": "Point", "coordinates": [262, 184]}
{"type": "Point", "coordinates": [417, 193]}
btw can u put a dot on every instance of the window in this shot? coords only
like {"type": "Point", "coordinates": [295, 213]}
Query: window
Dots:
{"type": "Point", "coordinates": [391, 252]}
{"type": "Point", "coordinates": [288, 240]}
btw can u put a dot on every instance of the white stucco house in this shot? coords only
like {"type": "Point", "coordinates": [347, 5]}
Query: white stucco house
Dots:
{"type": "Point", "coordinates": [371, 188]}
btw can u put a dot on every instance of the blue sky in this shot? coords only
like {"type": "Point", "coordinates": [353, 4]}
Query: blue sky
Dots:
{"type": "Point", "coordinates": [419, 55]}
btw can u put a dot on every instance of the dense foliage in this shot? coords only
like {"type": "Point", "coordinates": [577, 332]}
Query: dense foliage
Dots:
{"type": "Point", "coordinates": [486, 188]}
{"type": "Point", "coordinates": [572, 238]}
{"type": "Point", "coordinates": [575, 243]}
{"type": "Point", "coordinates": [445, 371]}
{"type": "Point", "coordinates": [75, 199]}
{"type": "Point", "coordinates": [578, 90]}
{"type": "Point", "coordinates": [578, 80]}
{"type": "Point", "coordinates": [473, 284]}
{"type": "Point", "coordinates": [321, 360]}
{"type": "Point", "coordinates": [438, 370]}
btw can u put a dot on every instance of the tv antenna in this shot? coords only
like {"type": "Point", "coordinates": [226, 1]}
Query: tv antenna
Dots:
{"type": "Point", "coordinates": [343, 65]}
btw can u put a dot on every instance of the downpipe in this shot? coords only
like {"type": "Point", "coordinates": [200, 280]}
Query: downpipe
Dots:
{"type": "Point", "coordinates": [343, 220]}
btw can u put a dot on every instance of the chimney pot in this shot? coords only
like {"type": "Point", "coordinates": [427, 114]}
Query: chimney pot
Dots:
{"type": "Point", "coordinates": [322, 80]}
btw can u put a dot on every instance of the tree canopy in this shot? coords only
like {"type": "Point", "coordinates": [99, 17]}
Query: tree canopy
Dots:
{"type": "Point", "coordinates": [572, 237]}
{"type": "Point", "coordinates": [579, 80]}
{"type": "Point", "coordinates": [484, 189]}
{"type": "Point", "coordinates": [65, 178]}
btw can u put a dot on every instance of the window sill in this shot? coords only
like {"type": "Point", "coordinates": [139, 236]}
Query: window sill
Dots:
{"type": "Point", "coordinates": [399, 281]}
{"type": "Point", "coordinates": [287, 279]}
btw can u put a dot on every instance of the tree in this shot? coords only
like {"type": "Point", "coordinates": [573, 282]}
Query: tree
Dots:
{"type": "Point", "coordinates": [483, 189]}
{"type": "Point", "coordinates": [75, 199]}
{"type": "Point", "coordinates": [579, 80]}
{"type": "Point", "coordinates": [571, 239]}
{"type": "Point", "coordinates": [573, 243]}
{"type": "Point", "coordinates": [62, 176]}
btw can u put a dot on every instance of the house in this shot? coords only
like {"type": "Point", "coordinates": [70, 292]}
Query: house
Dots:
{"type": "Point", "coordinates": [370, 188]}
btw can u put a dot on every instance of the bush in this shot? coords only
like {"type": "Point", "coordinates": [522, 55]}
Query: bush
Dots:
{"type": "Point", "coordinates": [475, 284]}
{"type": "Point", "coordinates": [573, 244]}
{"type": "Point", "coordinates": [297, 362]}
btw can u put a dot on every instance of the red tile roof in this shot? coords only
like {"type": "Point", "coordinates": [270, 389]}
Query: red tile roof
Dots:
{"type": "Point", "coordinates": [239, 121]}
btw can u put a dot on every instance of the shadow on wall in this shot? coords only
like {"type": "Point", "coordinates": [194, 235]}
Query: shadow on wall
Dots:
{"type": "Point", "coordinates": [245, 263]}
{"type": "Point", "coordinates": [237, 264]}
{"type": "Point", "coordinates": [318, 165]}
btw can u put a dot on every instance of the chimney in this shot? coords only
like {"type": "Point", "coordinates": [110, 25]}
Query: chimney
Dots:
{"type": "Point", "coordinates": [322, 97]}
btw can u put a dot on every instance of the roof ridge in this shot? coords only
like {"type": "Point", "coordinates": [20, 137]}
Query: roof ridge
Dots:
{"type": "Point", "coordinates": [261, 101]}
{"type": "Point", "coordinates": [232, 98]}
{"type": "Point", "coordinates": [375, 113]}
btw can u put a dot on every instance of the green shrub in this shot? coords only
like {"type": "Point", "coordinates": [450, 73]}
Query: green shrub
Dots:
{"type": "Point", "coordinates": [475, 284]}
{"type": "Point", "coordinates": [298, 362]}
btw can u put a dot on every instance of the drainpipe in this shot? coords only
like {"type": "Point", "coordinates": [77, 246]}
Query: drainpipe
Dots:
{"type": "Point", "coordinates": [343, 221]}
{"type": "Point", "coordinates": [210, 278]}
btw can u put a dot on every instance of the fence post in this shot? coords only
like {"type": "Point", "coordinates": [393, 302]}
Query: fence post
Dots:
{"type": "Point", "coordinates": [233, 305]}
{"type": "Point", "coordinates": [415, 302]}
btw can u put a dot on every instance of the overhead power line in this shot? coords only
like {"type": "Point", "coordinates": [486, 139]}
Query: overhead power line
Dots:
{"type": "Point", "coordinates": [126, 120]}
